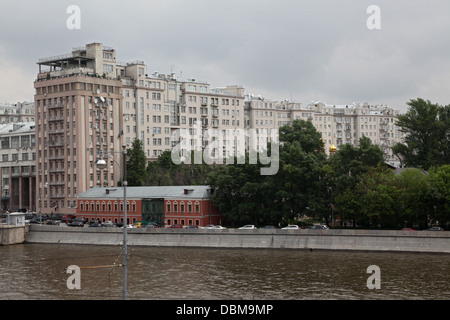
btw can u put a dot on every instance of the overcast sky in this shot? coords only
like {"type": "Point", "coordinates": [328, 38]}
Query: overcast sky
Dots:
{"type": "Point", "coordinates": [302, 50]}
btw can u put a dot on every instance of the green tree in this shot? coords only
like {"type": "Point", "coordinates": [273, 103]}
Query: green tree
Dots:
{"type": "Point", "coordinates": [347, 165]}
{"type": "Point", "coordinates": [237, 192]}
{"type": "Point", "coordinates": [245, 196]}
{"type": "Point", "coordinates": [427, 135]}
{"type": "Point", "coordinates": [136, 164]}
{"type": "Point", "coordinates": [164, 171]}
{"type": "Point", "coordinates": [439, 181]}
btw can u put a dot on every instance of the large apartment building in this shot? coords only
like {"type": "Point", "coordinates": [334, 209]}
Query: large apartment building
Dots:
{"type": "Point", "coordinates": [338, 124]}
{"type": "Point", "coordinates": [88, 106]}
{"type": "Point", "coordinates": [18, 166]}
{"type": "Point", "coordinates": [17, 112]}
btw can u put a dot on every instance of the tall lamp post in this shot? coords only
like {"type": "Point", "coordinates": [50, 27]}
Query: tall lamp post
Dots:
{"type": "Point", "coordinates": [101, 164]}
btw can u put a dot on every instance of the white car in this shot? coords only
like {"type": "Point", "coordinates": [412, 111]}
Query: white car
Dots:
{"type": "Point", "coordinates": [291, 226]}
{"type": "Point", "coordinates": [218, 227]}
{"type": "Point", "coordinates": [248, 226]}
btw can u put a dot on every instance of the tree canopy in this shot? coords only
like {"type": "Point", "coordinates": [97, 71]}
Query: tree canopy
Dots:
{"type": "Point", "coordinates": [426, 127]}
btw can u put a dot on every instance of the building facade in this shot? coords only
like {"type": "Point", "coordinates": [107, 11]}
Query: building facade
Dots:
{"type": "Point", "coordinates": [17, 112]}
{"type": "Point", "coordinates": [183, 205]}
{"type": "Point", "coordinates": [18, 166]}
{"type": "Point", "coordinates": [338, 124]}
{"type": "Point", "coordinates": [88, 106]}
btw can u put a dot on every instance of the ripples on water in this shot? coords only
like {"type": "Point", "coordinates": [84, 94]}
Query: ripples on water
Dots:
{"type": "Point", "coordinates": [33, 271]}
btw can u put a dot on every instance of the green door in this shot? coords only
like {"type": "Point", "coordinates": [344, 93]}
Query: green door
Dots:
{"type": "Point", "coordinates": [153, 210]}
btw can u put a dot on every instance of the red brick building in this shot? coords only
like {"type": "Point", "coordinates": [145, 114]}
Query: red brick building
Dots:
{"type": "Point", "coordinates": [185, 205]}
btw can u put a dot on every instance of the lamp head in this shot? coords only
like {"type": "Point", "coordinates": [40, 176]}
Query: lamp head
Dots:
{"type": "Point", "coordinates": [101, 164]}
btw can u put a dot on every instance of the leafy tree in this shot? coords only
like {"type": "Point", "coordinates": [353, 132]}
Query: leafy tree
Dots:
{"type": "Point", "coordinates": [136, 164]}
{"type": "Point", "coordinates": [165, 172]}
{"type": "Point", "coordinates": [305, 134]}
{"type": "Point", "coordinates": [245, 196]}
{"type": "Point", "coordinates": [237, 192]}
{"type": "Point", "coordinates": [346, 166]}
{"type": "Point", "coordinates": [427, 129]}
{"type": "Point", "coordinates": [439, 181]}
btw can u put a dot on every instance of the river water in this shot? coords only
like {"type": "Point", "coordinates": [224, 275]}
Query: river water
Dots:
{"type": "Point", "coordinates": [38, 272]}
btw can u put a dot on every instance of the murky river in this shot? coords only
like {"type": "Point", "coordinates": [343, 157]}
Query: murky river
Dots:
{"type": "Point", "coordinates": [35, 271]}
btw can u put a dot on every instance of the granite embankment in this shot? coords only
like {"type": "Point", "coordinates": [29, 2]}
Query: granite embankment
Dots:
{"type": "Point", "coordinates": [364, 240]}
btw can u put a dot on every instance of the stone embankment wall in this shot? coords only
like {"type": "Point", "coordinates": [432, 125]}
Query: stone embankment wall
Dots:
{"type": "Point", "coordinates": [365, 240]}
{"type": "Point", "coordinates": [13, 234]}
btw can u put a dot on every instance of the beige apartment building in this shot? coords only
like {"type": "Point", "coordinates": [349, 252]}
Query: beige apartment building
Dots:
{"type": "Point", "coordinates": [88, 106]}
{"type": "Point", "coordinates": [18, 166]}
{"type": "Point", "coordinates": [17, 112]}
{"type": "Point", "coordinates": [338, 124]}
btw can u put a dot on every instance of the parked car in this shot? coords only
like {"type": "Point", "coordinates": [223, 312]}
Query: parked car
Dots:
{"type": "Point", "coordinates": [152, 225]}
{"type": "Point", "coordinates": [53, 222]}
{"type": "Point", "coordinates": [77, 222]}
{"type": "Point", "coordinates": [269, 227]}
{"type": "Point", "coordinates": [192, 227]}
{"type": "Point", "coordinates": [318, 227]}
{"type": "Point", "coordinates": [39, 220]}
{"type": "Point", "coordinates": [108, 224]}
{"type": "Point", "coordinates": [218, 227]}
{"type": "Point", "coordinates": [209, 226]}
{"type": "Point", "coordinates": [248, 226]}
{"type": "Point", "coordinates": [68, 218]}
{"type": "Point", "coordinates": [408, 229]}
{"type": "Point", "coordinates": [435, 229]}
{"type": "Point", "coordinates": [139, 224]}
{"type": "Point", "coordinates": [95, 224]}
{"type": "Point", "coordinates": [175, 226]}
{"type": "Point", "coordinates": [291, 226]}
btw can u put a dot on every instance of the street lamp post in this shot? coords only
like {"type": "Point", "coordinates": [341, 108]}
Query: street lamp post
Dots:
{"type": "Point", "coordinates": [101, 164]}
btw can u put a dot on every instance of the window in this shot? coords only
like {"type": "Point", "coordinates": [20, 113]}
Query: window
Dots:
{"type": "Point", "coordinates": [107, 68]}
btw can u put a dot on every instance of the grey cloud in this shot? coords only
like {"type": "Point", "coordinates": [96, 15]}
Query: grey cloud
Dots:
{"type": "Point", "coordinates": [303, 49]}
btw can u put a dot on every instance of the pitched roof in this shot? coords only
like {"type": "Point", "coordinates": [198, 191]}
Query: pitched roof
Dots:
{"type": "Point", "coordinates": [156, 192]}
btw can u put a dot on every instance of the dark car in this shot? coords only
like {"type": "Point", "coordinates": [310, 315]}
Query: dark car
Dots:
{"type": "Point", "coordinates": [269, 227]}
{"type": "Point", "coordinates": [318, 227]}
{"type": "Point", "coordinates": [53, 222]}
{"type": "Point", "coordinates": [95, 224]}
{"type": "Point", "coordinates": [175, 226]}
{"type": "Point", "coordinates": [38, 220]}
{"type": "Point", "coordinates": [435, 229]}
{"type": "Point", "coordinates": [77, 222]}
{"type": "Point", "coordinates": [192, 227]}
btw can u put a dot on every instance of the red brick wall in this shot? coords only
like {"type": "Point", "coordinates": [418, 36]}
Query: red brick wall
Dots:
{"type": "Point", "coordinates": [188, 211]}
